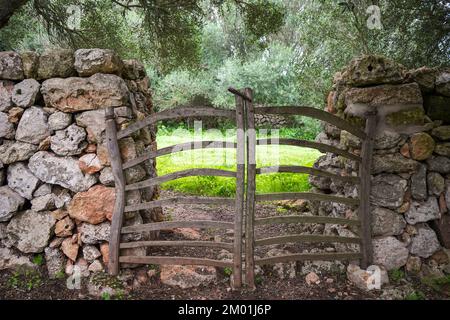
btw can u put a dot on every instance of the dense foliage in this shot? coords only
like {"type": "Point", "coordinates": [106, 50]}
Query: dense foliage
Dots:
{"type": "Point", "coordinates": [286, 50]}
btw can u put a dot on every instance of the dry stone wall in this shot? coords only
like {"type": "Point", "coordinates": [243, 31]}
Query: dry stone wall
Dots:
{"type": "Point", "coordinates": [411, 163]}
{"type": "Point", "coordinates": [56, 184]}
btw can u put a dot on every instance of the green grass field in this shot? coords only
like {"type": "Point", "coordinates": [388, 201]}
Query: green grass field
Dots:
{"type": "Point", "coordinates": [225, 159]}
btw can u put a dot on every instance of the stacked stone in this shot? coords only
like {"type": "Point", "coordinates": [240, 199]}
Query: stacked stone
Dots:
{"type": "Point", "coordinates": [273, 121]}
{"type": "Point", "coordinates": [410, 194]}
{"type": "Point", "coordinates": [56, 184]}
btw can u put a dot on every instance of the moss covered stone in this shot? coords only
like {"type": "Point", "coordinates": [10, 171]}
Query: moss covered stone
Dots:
{"type": "Point", "coordinates": [438, 108]}
{"type": "Point", "coordinates": [413, 116]}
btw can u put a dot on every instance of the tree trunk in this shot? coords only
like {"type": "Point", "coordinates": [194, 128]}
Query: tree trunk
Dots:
{"type": "Point", "coordinates": [7, 9]}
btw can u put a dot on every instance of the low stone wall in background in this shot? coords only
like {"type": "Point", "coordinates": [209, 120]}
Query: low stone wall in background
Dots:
{"type": "Point", "coordinates": [411, 163]}
{"type": "Point", "coordinates": [56, 184]}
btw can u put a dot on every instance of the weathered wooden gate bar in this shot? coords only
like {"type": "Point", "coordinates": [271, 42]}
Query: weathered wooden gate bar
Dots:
{"type": "Point", "coordinates": [309, 257]}
{"type": "Point", "coordinates": [167, 225]}
{"type": "Point", "coordinates": [240, 192]}
{"type": "Point", "coordinates": [307, 170]}
{"type": "Point", "coordinates": [175, 261]}
{"type": "Point", "coordinates": [305, 196]}
{"type": "Point", "coordinates": [316, 114]}
{"type": "Point", "coordinates": [309, 144]}
{"type": "Point", "coordinates": [119, 179]}
{"type": "Point", "coordinates": [179, 200]}
{"type": "Point", "coordinates": [307, 219]}
{"type": "Point", "coordinates": [313, 238]}
{"type": "Point", "coordinates": [207, 244]}
{"type": "Point", "coordinates": [244, 96]}
{"type": "Point", "coordinates": [251, 189]}
{"type": "Point", "coordinates": [179, 148]}
{"type": "Point", "coordinates": [183, 112]}
{"type": "Point", "coordinates": [178, 175]}
{"type": "Point", "coordinates": [364, 191]}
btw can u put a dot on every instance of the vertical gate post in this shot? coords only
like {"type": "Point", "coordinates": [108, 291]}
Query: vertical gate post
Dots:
{"type": "Point", "coordinates": [116, 166]}
{"type": "Point", "coordinates": [365, 175]}
{"type": "Point", "coordinates": [251, 189]}
{"type": "Point", "coordinates": [240, 180]}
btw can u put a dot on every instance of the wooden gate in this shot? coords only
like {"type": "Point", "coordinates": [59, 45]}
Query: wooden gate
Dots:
{"type": "Point", "coordinates": [246, 197]}
{"type": "Point", "coordinates": [362, 180]}
{"type": "Point", "coordinates": [118, 168]}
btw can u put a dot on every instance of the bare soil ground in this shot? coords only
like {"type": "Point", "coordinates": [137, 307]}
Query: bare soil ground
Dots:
{"type": "Point", "coordinates": [333, 285]}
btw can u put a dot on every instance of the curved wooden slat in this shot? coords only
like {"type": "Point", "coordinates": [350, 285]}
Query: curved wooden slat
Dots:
{"type": "Point", "coordinates": [316, 114]}
{"type": "Point", "coordinates": [305, 196]}
{"type": "Point", "coordinates": [179, 148]}
{"type": "Point", "coordinates": [175, 261]}
{"type": "Point", "coordinates": [180, 200]}
{"type": "Point", "coordinates": [178, 175]}
{"type": "Point", "coordinates": [167, 225]}
{"type": "Point", "coordinates": [240, 94]}
{"type": "Point", "coordinates": [310, 257]}
{"type": "Point", "coordinates": [307, 219]}
{"type": "Point", "coordinates": [307, 170]}
{"type": "Point", "coordinates": [311, 238]}
{"type": "Point", "coordinates": [309, 144]}
{"type": "Point", "coordinates": [184, 112]}
{"type": "Point", "coordinates": [207, 244]}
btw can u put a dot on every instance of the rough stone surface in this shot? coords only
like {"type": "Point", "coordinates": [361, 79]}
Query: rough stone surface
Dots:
{"type": "Point", "coordinates": [22, 180]}
{"type": "Point", "coordinates": [441, 133]}
{"type": "Point", "coordinates": [10, 260]}
{"type": "Point", "coordinates": [386, 95]}
{"type": "Point", "coordinates": [6, 128]}
{"type": "Point", "coordinates": [55, 63]}
{"type": "Point", "coordinates": [64, 227]}
{"type": "Point", "coordinates": [14, 151]}
{"type": "Point", "coordinates": [387, 222]}
{"type": "Point", "coordinates": [6, 88]}
{"type": "Point", "coordinates": [421, 146]}
{"type": "Point", "coordinates": [437, 107]}
{"type": "Point", "coordinates": [436, 184]}
{"type": "Point", "coordinates": [43, 190]}
{"type": "Point", "coordinates": [393, 163]}
{"type": "Point", "coordinates": [59, 120]}
{"type": "Point", "coordinates": [425, 243]}
{"type": "Point", "coordinates": [33, 126]}
{"type": "Point", "coordinates": [367, 280]}
{"type": "Point", "coordinates": [389, 252]}
{"type": "Point", "coordinates": [133, 69]}
{"type": "Point", "coordinates": [89, 163]}
{"type": "Point", "coordinates": [94, 122]}
{"type": "Point", "coordinates": [43, 203]}
{"type": "Point", "coordinates": [443, 84]}
{"type": "Point", "coordinates": [443, 149]}
{"type": "Point", "coordinates": [93, 234]}
{"type": "Point", "coordinates": [423, 211]}
{"type": "Point", "coordinates": [107, 177]}
{"type": "Point", "coordinates": [61, 171]}
{"type": "Point", "coordinates": [412, 116]}
{"type": "Point", "coordinates": [70, 248]}
{"type": "Point", "coordinates": [419, 184]}
{"type": "Point", "coordinates": [91, 61]}
{"type": "Point", "coordinates": [439, 164]}
{"type": "Point", "coordinates": [414, 264]}
{"type": "Point", "coordinates": [388, 190]}
{"type": "Point", "coordinates": [90, 253]}
{"type": "Point", "coordinates": [80, 94]}
{"type": "Point", "coordinates": [30, 231]}
{"type": "Point", "coordinates": [187, 276]}
{"type": "Point", "coordinates": [55, 262]}
{"type": "Point", "coordinates": [70, 141]}
{"type": "Point", "coordinates": [25, 93]}
{"type": "Point", "coordinates": [425, 77]}
{"type": "Point", "coordinates": [372, 70]}
{"type": "Point", "coordinates": [386, 139]}
{"type": "Point", "coordinates": [30, 63]}
{"type": "Point", "coordinates": [94, 205]}
{"type": "Point", "coordinates": [10, 66]}
{"type": "Point", "coordinates": [11, 202]}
